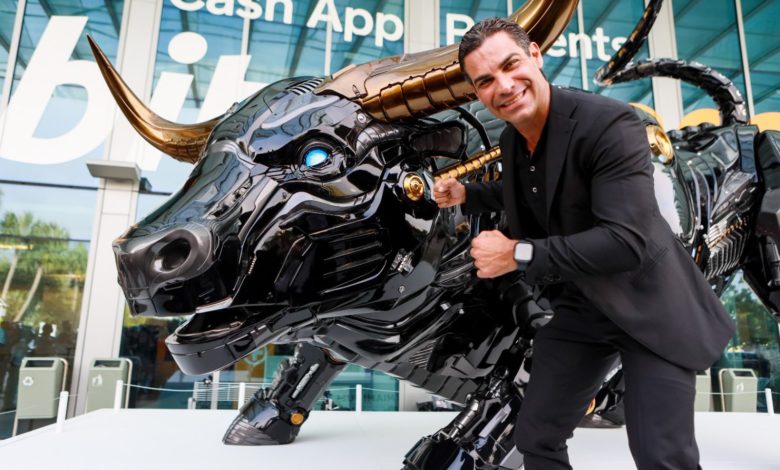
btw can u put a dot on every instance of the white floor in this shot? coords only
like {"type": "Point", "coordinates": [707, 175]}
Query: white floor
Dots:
{"type": "Point", "coordinates": [184, 439]}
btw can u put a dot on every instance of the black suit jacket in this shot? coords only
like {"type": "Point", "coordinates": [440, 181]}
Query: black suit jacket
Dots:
{"type": "Point", "coordinates": [606, 233]}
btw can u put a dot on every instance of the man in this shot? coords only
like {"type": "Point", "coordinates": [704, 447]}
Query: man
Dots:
{"type": "Point", "coordinates": [577, 189]}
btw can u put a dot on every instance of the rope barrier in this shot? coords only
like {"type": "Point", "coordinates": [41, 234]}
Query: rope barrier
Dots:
{"type": "Point", "coordinates": [228, 387]}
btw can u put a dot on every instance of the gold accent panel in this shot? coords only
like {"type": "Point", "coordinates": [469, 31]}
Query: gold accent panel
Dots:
{"type": "Point", "coordinates": [660, 144]}
{"type": "Point", "coordinates": [297, 418]}
{"type": "Point", "coordinates": [414, 188]}
{"type": "Point", "coordinates": [767, 121]}
{"type": "Point", "coordinates": [184, 142]}
{"type": "Point", "coordinates": [469, 166]}
{"type": "Point", "coordinates": [421, 84]}
{"type": "Point", "coordinates": [699, 116]}
{"type": "Point", "coordinates": [591, 407]}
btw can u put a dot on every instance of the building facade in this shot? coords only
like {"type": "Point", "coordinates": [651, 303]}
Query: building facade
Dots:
{"type": "Point", "coordinates": [191, 60]}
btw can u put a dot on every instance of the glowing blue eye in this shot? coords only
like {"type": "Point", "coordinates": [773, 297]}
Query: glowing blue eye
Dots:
{"type": "Point", "coordinates": [315, 157]}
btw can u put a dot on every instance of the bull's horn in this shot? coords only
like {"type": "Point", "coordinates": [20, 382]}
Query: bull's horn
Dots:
{"type": "Point", "coordinates": [421, 84]}
{"type": "Point", "coordinates": [183, 142]}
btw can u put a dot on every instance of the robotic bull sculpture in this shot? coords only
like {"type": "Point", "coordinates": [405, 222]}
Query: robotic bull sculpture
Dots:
{"type": "Point", "coordinates": [308, 219]}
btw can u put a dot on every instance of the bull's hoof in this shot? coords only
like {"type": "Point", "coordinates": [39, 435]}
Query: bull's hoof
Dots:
{"type": "Point", "coordinates": [261, 422]}
{"type": "Point", "coordinates": [435, 453]}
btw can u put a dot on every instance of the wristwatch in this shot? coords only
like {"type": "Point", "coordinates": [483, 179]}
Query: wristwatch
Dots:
{"type": "Point", "coordinates": [524, 253]}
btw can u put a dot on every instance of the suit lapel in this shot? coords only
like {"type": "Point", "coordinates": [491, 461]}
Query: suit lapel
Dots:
{"type": "Point", "coordinates": [559, 132]}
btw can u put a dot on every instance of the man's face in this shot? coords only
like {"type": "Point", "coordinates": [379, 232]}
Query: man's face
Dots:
{"type": "Point", "coordinates": [508, 81]}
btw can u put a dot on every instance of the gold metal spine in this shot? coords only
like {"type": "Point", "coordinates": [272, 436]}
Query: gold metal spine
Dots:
{"type": "Point", "coordinates": [469, 166]}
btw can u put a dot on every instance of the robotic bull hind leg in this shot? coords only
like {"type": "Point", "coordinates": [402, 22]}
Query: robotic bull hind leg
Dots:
{"type": "Point", "coordinates": [274, 415]}
{"type": "Point", "coordinates": [480, 437]}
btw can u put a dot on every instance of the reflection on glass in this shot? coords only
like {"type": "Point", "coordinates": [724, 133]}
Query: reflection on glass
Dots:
{"type": "Point", "coordinates": [71, 209]}
{"type": "Point", "coordinates": [66, 107]}
{"type": "Point", "coordinates": [607, 24]}
{"type": "Point", "coordinates": [280, 50]}
{"type": "Point", "coordinates": [561, 62]}
{"type": "Point", "coordinates": [42, 275]}
{"type": "Point", "coordinates": [756, 345]}
{"type": "Point", "coordinates": [7, 16]}
{"type": "Point", "coordinates": [707, 33]}
{"type": "Point", "coordinates": [457, 16]}
{"type": "Point", "coordinates": [157, 381]}
{"type": "Point", "coordinates": [763, 48]}
{"type": "Point", "coordinates": [192, 45]}
{"type": "Point", "coordinates": [383, 40]}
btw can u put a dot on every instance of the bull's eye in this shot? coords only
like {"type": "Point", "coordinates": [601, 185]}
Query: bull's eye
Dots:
{"type": "Point", "coordinates": [316, 156]}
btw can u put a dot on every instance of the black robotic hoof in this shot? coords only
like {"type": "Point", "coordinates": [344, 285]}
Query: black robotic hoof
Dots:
{"type": "Point", "coordinates": [260, 422]}
{"type": "Point", "coordinates": [434, 453]}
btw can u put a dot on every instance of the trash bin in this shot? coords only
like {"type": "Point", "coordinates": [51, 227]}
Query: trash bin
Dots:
{"type": "Point", "coordinates": [101, 388]}
{"type": "Point", "coordinates": [739, 388]}
{"type": "Point", "coordinates": [41, 379]}
{"type": "Point", "coordinates": [703, 400]}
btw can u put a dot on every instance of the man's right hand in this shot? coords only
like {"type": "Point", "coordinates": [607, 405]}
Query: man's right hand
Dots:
{"type": "Point", "coordinates": [449, 192]}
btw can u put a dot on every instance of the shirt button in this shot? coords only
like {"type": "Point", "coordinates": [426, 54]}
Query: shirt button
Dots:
{"type": "Point", "coordinates": [533, 168]}
{"type": "Point", "coordinates": [534, 189]}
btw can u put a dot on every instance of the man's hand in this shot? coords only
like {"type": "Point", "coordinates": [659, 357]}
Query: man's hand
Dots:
{"type": "Point", "coordinates": [449, 192]}
{"type": "Point", "coordinates": [493, 254]}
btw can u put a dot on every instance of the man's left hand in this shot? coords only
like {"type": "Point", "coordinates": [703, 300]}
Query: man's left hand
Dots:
{"type": "Point", "coordinates": [493, 254]}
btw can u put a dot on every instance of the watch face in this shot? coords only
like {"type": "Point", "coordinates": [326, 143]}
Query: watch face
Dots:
{"type": "Point", "coordinates": [523, 252]}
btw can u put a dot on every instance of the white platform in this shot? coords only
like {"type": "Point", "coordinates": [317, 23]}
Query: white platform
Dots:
{"type": "Point", "coordinates": [191, 439]}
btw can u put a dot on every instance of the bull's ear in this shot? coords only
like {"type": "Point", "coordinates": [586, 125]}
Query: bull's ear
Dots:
{"type": "Point", "coordinates": [447, 139]}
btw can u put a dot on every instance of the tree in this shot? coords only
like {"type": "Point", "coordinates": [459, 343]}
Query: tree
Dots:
{"type": "Point", "coordinates": [36, 244]}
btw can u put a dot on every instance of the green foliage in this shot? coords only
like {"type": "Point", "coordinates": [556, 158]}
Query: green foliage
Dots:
{"type": "Point", "coordinates": [30, 245]}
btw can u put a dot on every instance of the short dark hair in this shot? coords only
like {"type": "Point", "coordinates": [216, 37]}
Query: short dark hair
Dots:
{"type": "Point", "coordinates": [486, 28]}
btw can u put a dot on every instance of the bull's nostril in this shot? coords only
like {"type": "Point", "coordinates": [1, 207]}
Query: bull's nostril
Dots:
{"type": "Point", "coordinates": [173, 255]}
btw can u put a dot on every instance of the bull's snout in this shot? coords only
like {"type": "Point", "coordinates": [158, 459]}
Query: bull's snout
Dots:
{"type": "Point", "coordinates": [172, 255]}
{"type": "Point", "coordinates": [164, 272]}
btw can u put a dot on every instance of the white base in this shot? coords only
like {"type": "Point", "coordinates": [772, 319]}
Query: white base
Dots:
{"type": "Point", "coordinates": [191, 439]}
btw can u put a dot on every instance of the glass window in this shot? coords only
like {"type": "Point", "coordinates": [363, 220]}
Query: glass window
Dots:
{"type": "Point", "coordinates": [607, 24]}
{"type": "Point", "coordinates": [56, 131]}
{"type": "Point", "coordinates": [282, 49]}
{"type": "Point", "coordinates": [707, 33]}
{"type": "Point", "coordinates": [763, 49]}
{"type": "Point", "coordinates": [756, 345]}
{"type": "Point", "coordinates": [561, 64]}
{"type": "Point", "coordinates": [458, 16]}
{"type": "Point", "coordinates": [157, 381]}
{"type": "Point", "coordinates": [191, 49]}
{"type": "Point", "coordinates": [385, 39]}
{"type": "Point", "coordinates": [7, 16]}
{"type": "Point", "coordinates": [42, 276]}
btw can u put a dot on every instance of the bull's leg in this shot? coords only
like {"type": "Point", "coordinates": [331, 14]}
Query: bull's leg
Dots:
{"type": "Point", "coordinates": [480, 437]}
{"type": "Point", "coordinates": [274, 415]}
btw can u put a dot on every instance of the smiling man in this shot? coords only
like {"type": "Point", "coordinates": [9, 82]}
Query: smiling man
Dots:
{"type": "Point", "coordinates": [577, 189]}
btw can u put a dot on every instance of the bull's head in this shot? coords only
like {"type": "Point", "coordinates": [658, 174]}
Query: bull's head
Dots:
{"type": "Point", "coordinates": [306, 199]}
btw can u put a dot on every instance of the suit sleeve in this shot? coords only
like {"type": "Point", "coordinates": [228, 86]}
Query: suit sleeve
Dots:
{"type": "Point", "coordinates": [489, 196]}
{"type": "Point", "coordinates": [483, 197]}
{"type": "Point", "coordinates": [622, 201]}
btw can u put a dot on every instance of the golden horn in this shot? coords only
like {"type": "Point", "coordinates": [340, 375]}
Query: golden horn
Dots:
{"type": "Point", "coordinates": [424, 83]}
{"type": "Point", "coordinates": [184, 142]}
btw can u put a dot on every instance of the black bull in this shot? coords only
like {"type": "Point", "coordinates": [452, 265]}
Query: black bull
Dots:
{"type": "Point", "coordinates": [308, 220]}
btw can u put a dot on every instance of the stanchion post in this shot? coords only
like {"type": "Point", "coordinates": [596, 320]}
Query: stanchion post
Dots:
{"type": "Point", "coordinates": [358, 398]}
{"type": "Point", "coordinates": [770, 405]}
{"type": "Point", "coordinates": [62, 409]}
{"type": "Point", "coordinates": [241, 394]}
{"type": "Point", "coordinates": [120, 385]}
